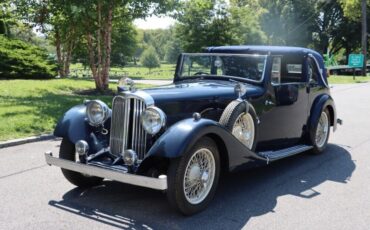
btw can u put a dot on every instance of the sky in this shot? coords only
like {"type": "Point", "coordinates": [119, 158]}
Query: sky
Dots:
{"type": "Point", "coordinates": [154, 22]}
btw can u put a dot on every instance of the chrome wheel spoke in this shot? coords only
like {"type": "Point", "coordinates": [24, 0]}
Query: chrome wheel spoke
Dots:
{"type": "Point", "coordinates": [199, 176]}
{"type": "Point", "coordinates": [322, 130]}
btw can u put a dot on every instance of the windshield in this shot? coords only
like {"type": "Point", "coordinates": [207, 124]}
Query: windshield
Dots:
{"type": "Point", "coordinates": [249, 67]}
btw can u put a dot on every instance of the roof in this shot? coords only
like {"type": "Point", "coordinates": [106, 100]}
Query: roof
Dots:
{"type": "Point", "coordinates": [274, 50]}
{"type": "Point", "coordinates": [261, 50]}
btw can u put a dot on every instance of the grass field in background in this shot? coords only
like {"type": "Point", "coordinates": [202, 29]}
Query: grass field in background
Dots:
{"type": "Point", "coordinates": [32, 107]}
{"type": "Point", "coordinates": [347, 79]}
{"type": "Point", "coordinates": [165, 72]}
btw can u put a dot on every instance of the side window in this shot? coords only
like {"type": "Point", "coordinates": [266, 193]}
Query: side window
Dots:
{"type": "Point", "coordinates": [287, 69]}
{"type": "Point", "coordinates": [313, 72]}
{"type": "Point", "coordinates": [276, 71]}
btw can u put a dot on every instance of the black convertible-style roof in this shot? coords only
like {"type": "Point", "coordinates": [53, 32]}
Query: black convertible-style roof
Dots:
{"type": "Point", "coordinates": [273, 50]}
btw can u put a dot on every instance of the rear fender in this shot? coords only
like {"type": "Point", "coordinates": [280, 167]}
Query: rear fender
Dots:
{"type": "Point", "coordinates": [182, 136]}
{"type": "Point", "coordinates": [320, 103]}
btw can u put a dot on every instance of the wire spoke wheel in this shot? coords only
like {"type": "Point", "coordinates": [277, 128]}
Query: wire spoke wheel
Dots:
{"type": "Point", "coordinates": [199, 176]}
{"type": "Point", "coordinates": [243, 129]}
{"type": "Point", "coordinates": [322, 130]}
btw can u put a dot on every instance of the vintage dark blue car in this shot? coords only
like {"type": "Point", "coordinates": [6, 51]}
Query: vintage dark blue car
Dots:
{"type": "Point", "coordinates": [229, 108]}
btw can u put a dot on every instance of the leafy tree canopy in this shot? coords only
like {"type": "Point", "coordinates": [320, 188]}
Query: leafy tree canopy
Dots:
{"type": "Point", "coordinates": [19, 59]}
{"type": "Point", "coordinates": [150, 59]}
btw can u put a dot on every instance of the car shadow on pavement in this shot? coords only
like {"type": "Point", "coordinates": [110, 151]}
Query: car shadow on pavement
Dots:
{"type": "Point", "coordinates": [240, 196]}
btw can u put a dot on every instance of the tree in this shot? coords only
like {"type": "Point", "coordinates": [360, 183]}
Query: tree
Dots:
{"type": "Point", "coordinates": [57, 22]}
{"type": "Point", "coordinates": [97, 18]}
{"type": "Point", "coordinates": [7, 18]}
{"type": "Point", "coordinates": [333, 31]}
{"type": "Point", "coordinates": [203, 23]}
{"type": "Point", "coordinates": [92, 20]}
{"type": "Point", "coordinates": [245, 19]}
{"type": "Point", "coordinates": [150, 59]}
{"type": "Point", "coordinates": [352, 9]}
{"type": "Point", "coordinates": [173, 50]}
{"type": "Point", "coordinates": [19, 59]}
{"type": "Point", "coordinates": [124, 42]}
{"type": "Point", "coordinates": [288, 22]}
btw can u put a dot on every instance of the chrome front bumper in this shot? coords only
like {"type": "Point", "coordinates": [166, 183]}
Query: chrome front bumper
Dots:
{"type": "Point", "coordinates": [159, 183]}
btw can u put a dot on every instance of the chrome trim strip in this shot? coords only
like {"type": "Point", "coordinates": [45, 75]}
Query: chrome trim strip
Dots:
{"type": "Point", "coordinates": [143, 181]}
{"type": "Point", "coordinates": [320, 70]}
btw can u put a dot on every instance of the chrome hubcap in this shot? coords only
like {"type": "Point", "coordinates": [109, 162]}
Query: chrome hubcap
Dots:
{"type": "Point", "coordinates": [199, 176]}
{"type": "Point", "coordinates": [322, 130]}
{"type": "Point", "coordinates": [243, 129]}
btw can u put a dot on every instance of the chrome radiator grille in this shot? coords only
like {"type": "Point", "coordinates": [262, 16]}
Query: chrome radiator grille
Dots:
{"type": "Point", "coordinates": [126, 129]}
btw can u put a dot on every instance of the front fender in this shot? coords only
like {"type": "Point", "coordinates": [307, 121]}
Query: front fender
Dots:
{"type": "Point", "coordinates": [73, 125]}
{"type": "Point", "coordinates": [320, 103]}
{"type": "Point", "coordinates": [182, 136]}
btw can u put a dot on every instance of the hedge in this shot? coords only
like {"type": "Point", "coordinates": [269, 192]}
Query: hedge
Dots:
{"type": "Point", "coordinates": [19, 59]}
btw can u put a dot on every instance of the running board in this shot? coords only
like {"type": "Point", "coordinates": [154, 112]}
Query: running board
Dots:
{"type": "Point", "coordinates": [283, 153]}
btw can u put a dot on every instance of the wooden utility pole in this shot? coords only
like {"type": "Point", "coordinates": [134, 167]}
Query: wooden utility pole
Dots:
{"type": "Point", "coordinates": [364, 35]}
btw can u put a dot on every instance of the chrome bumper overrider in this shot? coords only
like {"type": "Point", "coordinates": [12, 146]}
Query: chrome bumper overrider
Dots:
{"type": "Point", "coordinates": [143, 181]}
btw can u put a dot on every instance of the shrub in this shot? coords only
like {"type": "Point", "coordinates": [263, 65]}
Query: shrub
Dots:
{"type": "Point", "coordinates": [19, 59]}
{"type": "Point", "coordinates": [150, 59]}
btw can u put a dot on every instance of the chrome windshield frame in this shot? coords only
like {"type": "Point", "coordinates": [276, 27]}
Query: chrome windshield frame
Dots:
{"type": "Point", "coordinates": [179, 77]}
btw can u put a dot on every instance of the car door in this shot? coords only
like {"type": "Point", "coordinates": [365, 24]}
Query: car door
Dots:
{"type": "Point", "coordinates": [285, 113]}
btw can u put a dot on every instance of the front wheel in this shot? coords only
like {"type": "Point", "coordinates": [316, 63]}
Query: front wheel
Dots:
{"type": "Point", "coordinates": [67, 152]}
{"type": "Point", "coordinates": [193, 178]}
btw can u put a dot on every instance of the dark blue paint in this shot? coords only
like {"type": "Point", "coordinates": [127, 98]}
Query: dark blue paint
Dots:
{"type": "Point", "coordinates": [322, 101]}
{"type": "Point", "coordinates": [295, 110]}
{"type": "Point", "coordinates": [73, 124]}
{"type": "Point", "coordinates": [183, 98]}
{"type": "Point", "coordinates": [180, 137]}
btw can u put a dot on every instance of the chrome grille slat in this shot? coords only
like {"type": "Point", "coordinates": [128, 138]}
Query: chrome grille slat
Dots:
{"type": "Point", "coordinates": [126, 129]}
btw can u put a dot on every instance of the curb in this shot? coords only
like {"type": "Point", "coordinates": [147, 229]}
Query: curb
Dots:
{"type": "Point", "coordinates": [21, 141]}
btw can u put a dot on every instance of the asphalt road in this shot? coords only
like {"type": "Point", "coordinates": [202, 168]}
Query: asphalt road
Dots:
{"type": "Point", "coordinates": [330, 191]}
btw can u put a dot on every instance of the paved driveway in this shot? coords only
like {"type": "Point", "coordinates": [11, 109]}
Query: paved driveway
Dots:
{"type": "Point", "coordinates": [330, 191]}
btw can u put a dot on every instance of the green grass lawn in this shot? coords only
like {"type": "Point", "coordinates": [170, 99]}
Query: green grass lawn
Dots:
{"type": "Point", "coordinates": [165, 72]}
{"type": "Point", "coordinates": [32, 107]}
{"type": "Point", "coordinates": [347, 79]}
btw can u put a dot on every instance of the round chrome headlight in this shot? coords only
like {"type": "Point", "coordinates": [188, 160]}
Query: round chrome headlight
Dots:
{"type": "Point", "coordinates": [97, 112]}
{"type": "Point", "coordinates": [153, 119]}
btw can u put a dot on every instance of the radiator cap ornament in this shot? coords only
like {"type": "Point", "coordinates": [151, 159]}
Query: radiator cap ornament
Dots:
{"type": "Point", "coordinates": [126, 84]}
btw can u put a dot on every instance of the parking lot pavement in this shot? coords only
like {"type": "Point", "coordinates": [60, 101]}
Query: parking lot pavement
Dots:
{"type": "Point", "coordinates": [329, 191]}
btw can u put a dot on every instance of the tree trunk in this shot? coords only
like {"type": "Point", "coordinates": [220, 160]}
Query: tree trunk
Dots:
{"type": "Point", "coordinates": [90, 46]}
{"type": "Point", "coordinates": [68, 56]}
{"type": "Point", "coordinates": [99, 47]}
{"type": "Point", "coordinates": [58, 45]}
{"type": "Point", "coordinates": [107, 46]}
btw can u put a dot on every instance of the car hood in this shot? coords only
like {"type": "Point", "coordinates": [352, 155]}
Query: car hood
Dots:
{"type": "Point", "coordinates": [194, 91]}
{"type": "Point", "coordinates": [181, 99]}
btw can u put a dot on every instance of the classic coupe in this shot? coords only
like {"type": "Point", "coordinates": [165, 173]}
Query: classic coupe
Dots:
{"type": "Point", "coordinates": [228, 108]}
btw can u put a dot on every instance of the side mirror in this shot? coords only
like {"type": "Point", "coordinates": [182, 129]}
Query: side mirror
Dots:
{"type": "Point", "coordinates": [286, 94]}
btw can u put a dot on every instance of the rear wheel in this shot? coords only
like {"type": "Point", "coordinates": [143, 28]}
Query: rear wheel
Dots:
{"type": "Point", "coordinates": [193, 178]}
{"type": "Point", "coordinates": [67, 152]}
{"type": "Point", "coordinates": [320, 135]}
